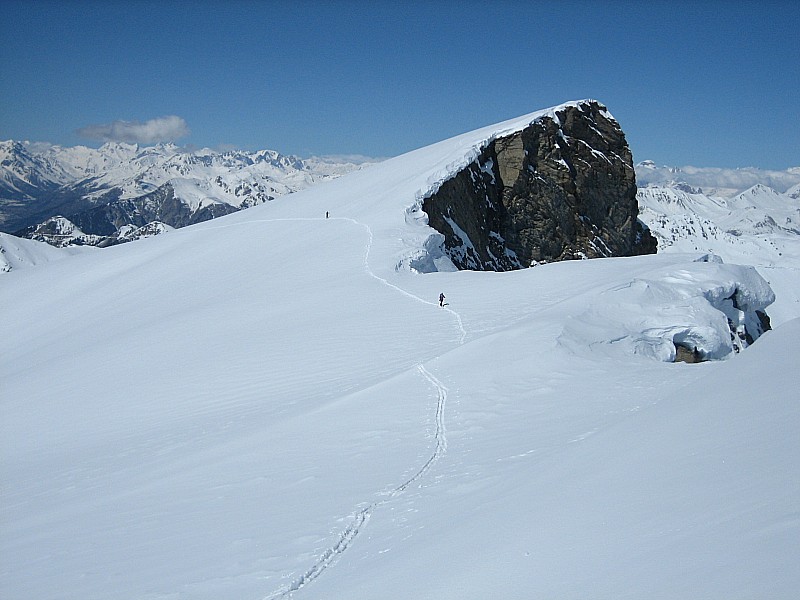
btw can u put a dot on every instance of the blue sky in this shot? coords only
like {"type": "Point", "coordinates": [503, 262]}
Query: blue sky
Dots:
{"type": "Point", "coordinates": [700, 83]}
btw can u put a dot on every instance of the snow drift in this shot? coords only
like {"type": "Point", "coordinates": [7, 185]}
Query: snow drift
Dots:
{"type": "Point", "coordinates": [709, 307]}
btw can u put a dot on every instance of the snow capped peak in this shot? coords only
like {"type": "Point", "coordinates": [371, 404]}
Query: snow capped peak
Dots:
{"type": "Point", "coordinates": [759, 189]}
{"type": "Point", "coordinates": [13, 153]}
{"type": "Point", "coordinates": [117, 170]}
{"type": "Point", "coordinates": [9, 146]}
{"type": "Point", "coordinates": [758, 226]}
{"type": "Point", "coordinates": [760, 196]}
{"type": "Point", "coordinates": [726, 183]}
{"type": "Point", "coordinates": [23, 171]}
{"type": "Point", "coordinates": [120, 147]}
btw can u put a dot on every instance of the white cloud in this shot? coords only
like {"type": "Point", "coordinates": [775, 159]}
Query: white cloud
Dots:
{"type": "Point", "coordinates": [37, 147]}
{"type": "Point", "coordinates": [162, 129]}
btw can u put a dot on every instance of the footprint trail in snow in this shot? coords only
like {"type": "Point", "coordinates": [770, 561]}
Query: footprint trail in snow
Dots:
{"type": "Point", "coordinates": [361, 517]}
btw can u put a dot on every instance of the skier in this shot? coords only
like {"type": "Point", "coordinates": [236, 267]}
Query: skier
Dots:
{"type": "Point", "coordinates": [441, 299]}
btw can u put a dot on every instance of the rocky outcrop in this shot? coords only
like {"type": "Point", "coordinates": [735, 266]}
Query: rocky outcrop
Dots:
{"type": "Point", "coordinates": [745, 326]}
{"type": "Point", "coordinates": [563, 188]}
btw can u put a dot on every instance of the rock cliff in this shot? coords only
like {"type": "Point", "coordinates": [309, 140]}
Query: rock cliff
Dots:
{"type": "Point", "coordinates": [560, 189]}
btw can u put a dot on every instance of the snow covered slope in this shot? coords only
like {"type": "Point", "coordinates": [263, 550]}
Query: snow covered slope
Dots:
{"type": "Point", "coordinates": [758, 227]}
{"type": "Point", "coordinates": [272, 405]}
{"type": "Point", "coordinates": [36, 184]}
{"type": "Point", "coordinates": [18, 253]}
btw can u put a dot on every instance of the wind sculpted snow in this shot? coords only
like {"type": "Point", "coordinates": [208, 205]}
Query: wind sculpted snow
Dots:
{"type": "Point", "coordinates": [272, 404]}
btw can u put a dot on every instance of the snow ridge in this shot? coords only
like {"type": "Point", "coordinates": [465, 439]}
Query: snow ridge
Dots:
{"type": "Point", "coordinates": [473, 150]}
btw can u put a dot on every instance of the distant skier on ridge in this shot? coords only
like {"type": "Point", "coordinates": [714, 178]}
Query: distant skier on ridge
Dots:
{"type": "Point", "coordinates": [441, 299]}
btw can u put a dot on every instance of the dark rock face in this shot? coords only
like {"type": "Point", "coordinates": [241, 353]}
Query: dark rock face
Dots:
{"type": "Point", "coordinates": [558, 190]}
{"type": "Point", "coordinates": [20, 215]}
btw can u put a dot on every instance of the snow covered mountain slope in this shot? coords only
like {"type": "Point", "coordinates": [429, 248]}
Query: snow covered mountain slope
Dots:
{"type": "Point", "coordinates": [759, 223]}
{"type": "Point", "coordinates": [16, 253]}
{"type": "Point", "coordinates": [25, 172]}
{"type": "Point", "coordinates": [273, 405]}
{"type": "Point", "coordinates": [758, 227]}
{"type": "Point", "coordinates": [36, 185]}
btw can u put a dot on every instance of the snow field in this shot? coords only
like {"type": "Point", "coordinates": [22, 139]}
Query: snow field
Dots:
{"type": "Point", "coordinates": [202, 379]}
{"type": "Point", "coordinates": [254, 405]}
{"type": "Point", "coordinates": [259, 407]}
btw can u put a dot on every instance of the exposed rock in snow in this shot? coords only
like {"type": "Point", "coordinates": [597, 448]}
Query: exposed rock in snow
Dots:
{"type": "Point", "coordinates": [562, 188]}
{"type": "Point", "coordinates": [59, 231]}
{"type": "Point", "coordinates": [130, 233]}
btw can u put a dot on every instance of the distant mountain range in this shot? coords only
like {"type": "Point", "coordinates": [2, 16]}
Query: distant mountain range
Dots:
{"type": "Point", "coordinates": [119, 192]}
{"type": "Point", "coordinates": [714, 181]}
{"type": "Point", "coordinates": [758, 225]}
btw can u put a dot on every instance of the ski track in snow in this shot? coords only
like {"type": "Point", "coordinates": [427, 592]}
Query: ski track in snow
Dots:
{"type": "Point", "coordinates": [399, 289]}
{"type": "Point", "coordinates": [361, 517]}
{"type": "Point", "coordinates": [367, 268]}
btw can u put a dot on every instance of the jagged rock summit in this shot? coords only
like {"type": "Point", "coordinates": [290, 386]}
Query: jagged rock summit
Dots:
{"type": "Point", "coordinates": [562, 188]}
